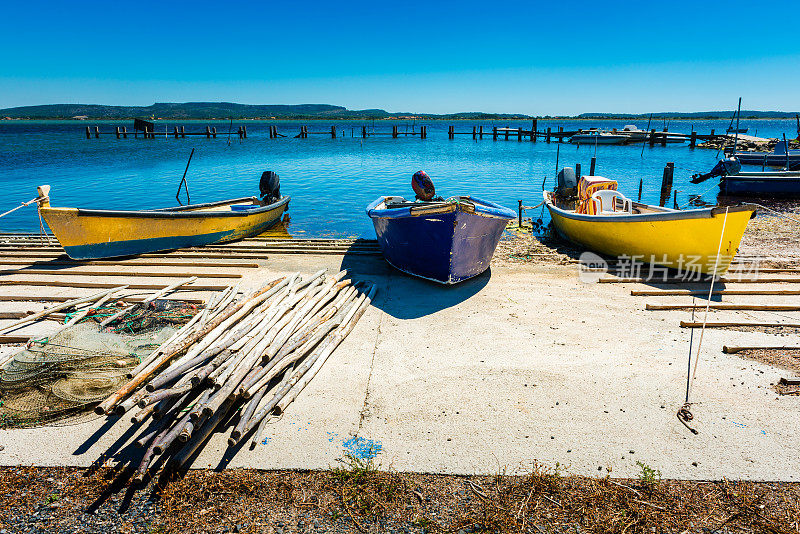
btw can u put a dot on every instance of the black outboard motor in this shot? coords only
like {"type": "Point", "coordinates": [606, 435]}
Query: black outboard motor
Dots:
{"type": "Point", "coordinates": [270, 187]}
{"type": "Point", "coordinates": [725, 167]}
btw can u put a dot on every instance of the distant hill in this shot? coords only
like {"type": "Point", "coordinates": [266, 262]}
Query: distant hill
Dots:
{"type": "Point", "coordinates": [220, 110]}
{"type": "Point", "coordinates": [693, 115]}
{"type": "Point", "coordinates": [224, 110]}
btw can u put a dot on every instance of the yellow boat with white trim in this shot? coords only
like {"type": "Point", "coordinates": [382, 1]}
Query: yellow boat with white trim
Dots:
{"type": "Point", "coordinates": [604, 221]}
{"type": "Point", "coordinates": [93, 233]}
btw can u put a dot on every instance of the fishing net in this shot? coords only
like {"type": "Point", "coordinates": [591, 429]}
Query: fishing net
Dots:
{"type": "Point", "coordinates": [54, 379]}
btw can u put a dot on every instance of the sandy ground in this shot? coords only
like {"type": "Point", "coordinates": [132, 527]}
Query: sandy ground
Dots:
{"type": "Point", "coordinates": [523, 363]}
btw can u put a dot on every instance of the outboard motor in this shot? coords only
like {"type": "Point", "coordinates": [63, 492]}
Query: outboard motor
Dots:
{"type": "Point", "coordinates": [725, 167]}
{"type": "Point", "coordinates": [422, 185]}
{"type": "Point", "coordinates": [566, 182]}
{"type": "Point", "coordinates": [270, 187]}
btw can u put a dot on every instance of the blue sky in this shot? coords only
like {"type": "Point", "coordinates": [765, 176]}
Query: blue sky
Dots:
{"type": "Point", "coordinates": [438, 57]}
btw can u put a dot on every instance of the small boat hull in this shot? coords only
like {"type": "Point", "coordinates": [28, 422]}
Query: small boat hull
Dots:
{"type": "Point", "coordinates": [603, 139]}
{"type": "Point", "coordinates": [93, 234]}
{"type": "Point", "coordinates": [447, 243]}
{"type": "Point", "coordinates": [782, 184]}
{"type": "Point", "coordinates": [684, 240]}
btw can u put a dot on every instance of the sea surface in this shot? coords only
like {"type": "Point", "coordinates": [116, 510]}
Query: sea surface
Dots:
{"type": "Point", "coordinates": [330, 180]}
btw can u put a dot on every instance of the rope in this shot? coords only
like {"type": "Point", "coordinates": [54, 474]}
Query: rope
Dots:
{"type": "Point", "coordinates": [684, 414]}
{"type": "Point", "coordinates": [28, 203]}
{"type": "Point", "coordinates": [778, 213]}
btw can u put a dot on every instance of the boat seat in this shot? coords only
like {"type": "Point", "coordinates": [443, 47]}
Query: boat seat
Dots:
{"type": "Point", "coordinates": [605, 201]}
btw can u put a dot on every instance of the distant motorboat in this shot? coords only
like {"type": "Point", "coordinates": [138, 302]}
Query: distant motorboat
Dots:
{"type": "Point", "coordinates": [597, 137]}
{"type": "Point", "coordinates": [633, 133]}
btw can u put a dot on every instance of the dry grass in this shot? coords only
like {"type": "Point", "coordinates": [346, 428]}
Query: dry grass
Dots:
{"type": "Point", "coordinates": [543, 500]}
{"type": "Point", "coordinates": [360, 497]}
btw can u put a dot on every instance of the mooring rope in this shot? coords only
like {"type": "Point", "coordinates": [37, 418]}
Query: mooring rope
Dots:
{"type": "Point", "coordinates": [28, 203]}
{"type": "Point", "coordinates": [776, 212]}
{"type": "Point", "coordinates": [684, 413]}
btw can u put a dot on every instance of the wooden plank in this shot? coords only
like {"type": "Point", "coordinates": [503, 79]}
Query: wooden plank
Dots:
{"type": "Point", "coordinates": [690, 324]}
{"type": "Point", "coordinates": [766, 280]}
{"type": "Point", "coordinates": [131, 274]}
{"type": "Point", "coordinates": [62, 298]}
{"type": "Point", "coordinates": [7, 340]}
{"type": "Point", "coordinates": [14, 315]}
{"type": "Point", "coordinates": [733, 350]}
{"type": "Point", "coordinates": [791, 381]}
{"type": "Point", "coordinates": [704, 293]}
{"type": "Point", "coordinates": [750, 307]}
{"type": "Point", "coordinates": [158, 263]}
{"type": "Point", "coordinates": [102, 285]}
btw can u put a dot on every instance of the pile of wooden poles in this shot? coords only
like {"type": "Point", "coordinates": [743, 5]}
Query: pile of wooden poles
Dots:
{"type": "Point", "coordinates": [253, 355]}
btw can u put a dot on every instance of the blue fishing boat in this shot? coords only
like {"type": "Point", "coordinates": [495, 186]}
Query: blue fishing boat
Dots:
{"type": "Point", "coordinates": [736, 182]}
{"type": "Point", "coordinates": [446, 241]}
{"type": "Point", "coordinates": [769, 184]}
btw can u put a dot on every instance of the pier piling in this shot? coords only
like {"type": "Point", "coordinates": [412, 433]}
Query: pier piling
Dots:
{"type": "Point", "coordinates": [666, 183]}
{"type": "Point", "coordinates": [592, 166]}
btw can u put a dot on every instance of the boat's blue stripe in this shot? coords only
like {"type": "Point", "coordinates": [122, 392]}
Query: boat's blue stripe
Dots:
{"type": "Point", "coordinates": [132, 247]}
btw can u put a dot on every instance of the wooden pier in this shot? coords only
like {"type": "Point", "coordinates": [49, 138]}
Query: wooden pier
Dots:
{"type": "Point", "coordinates": [146, 130]}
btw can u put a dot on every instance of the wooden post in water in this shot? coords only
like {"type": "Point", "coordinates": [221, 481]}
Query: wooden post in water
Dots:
{"type": "Point", "coordinates": [506, 130]}
{"type": "Point", "coordinates": [652, 136]}
{"type": "Point", "coordinates": [578, 171]}
{"type": "Point", "coordinates": [214, 131]}
{"type": "Point", "coordinates": [474, 133]}
{"type": "Point", "coordinates": [533, 131]}
{"type": "Point", "coordinates": [592, 165]}
{"type": "Point", "coordinates": [494, 133]}
{"type": "Point", "coordinates": [548, 135]}
{"type": "Point", "coordinates": [244, 131]}
{"type": "Point", "coordinates": [641, 182]}
{"type": "Point", "coordinates": [97, 132]}
{"type": "Point", "coordinates": [712, 132]}
{"type": "Point", "coordinates": [423, 132]}
{"type": "Point", "coordinates": [675, 200]}
{"type": "Point", "coordinates": [117, 131]}
{"type": "Point", "coordinates": [124, 132]}
{"type": "Point", "coordinates": [519, 217]}
{"type": "Point", "coordinates": [519, 134]}
{"type": "Point", "coordinates": [394, 132]}
{"type": "Point", "coordinates": [693, 140]}
{"type": "Point", "coordinates": [88, 133]}
{"type": "Point", "coordinates": [480, 131]}
{"type": "Point", "coordinates": [561, 131]}
{"type": "Point", "coordinates": [664, 138]}
{"type": "Point", "coordinates": [333, 132]}
{"type": "Point", "coordinates": [364, 132]}
{"type": "Point", "coordinates": [451, 132]}
{"type": "Point", "coordinates": [183, 132]}
{"type": "Point", "coordinates": [208, 132]}
{"type": "Point", "coordinates": [175, 132]}
{"type": "Point", "coordinates": [666, 183]}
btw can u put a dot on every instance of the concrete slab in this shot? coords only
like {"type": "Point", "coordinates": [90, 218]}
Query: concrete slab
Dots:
{"type": "Point", "coordinates": [522, 364]}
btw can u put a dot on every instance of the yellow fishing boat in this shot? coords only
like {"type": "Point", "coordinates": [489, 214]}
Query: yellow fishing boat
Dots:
{"type": "Point", "coordinates": [603, 220]}
{"type": "Point", "coordinates": [93, 233]}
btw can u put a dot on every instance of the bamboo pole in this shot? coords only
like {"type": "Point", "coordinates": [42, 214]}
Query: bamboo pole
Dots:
{"type": "Point", "coordinates": [58, 307]}
{"type": "Point", "coordinates": [163, 359]}
{"type": "Point", "coordinates": [314, 368]}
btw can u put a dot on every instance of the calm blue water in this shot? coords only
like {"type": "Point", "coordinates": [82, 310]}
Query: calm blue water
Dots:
{"type": "Point", "coordinates": [330, 180]}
